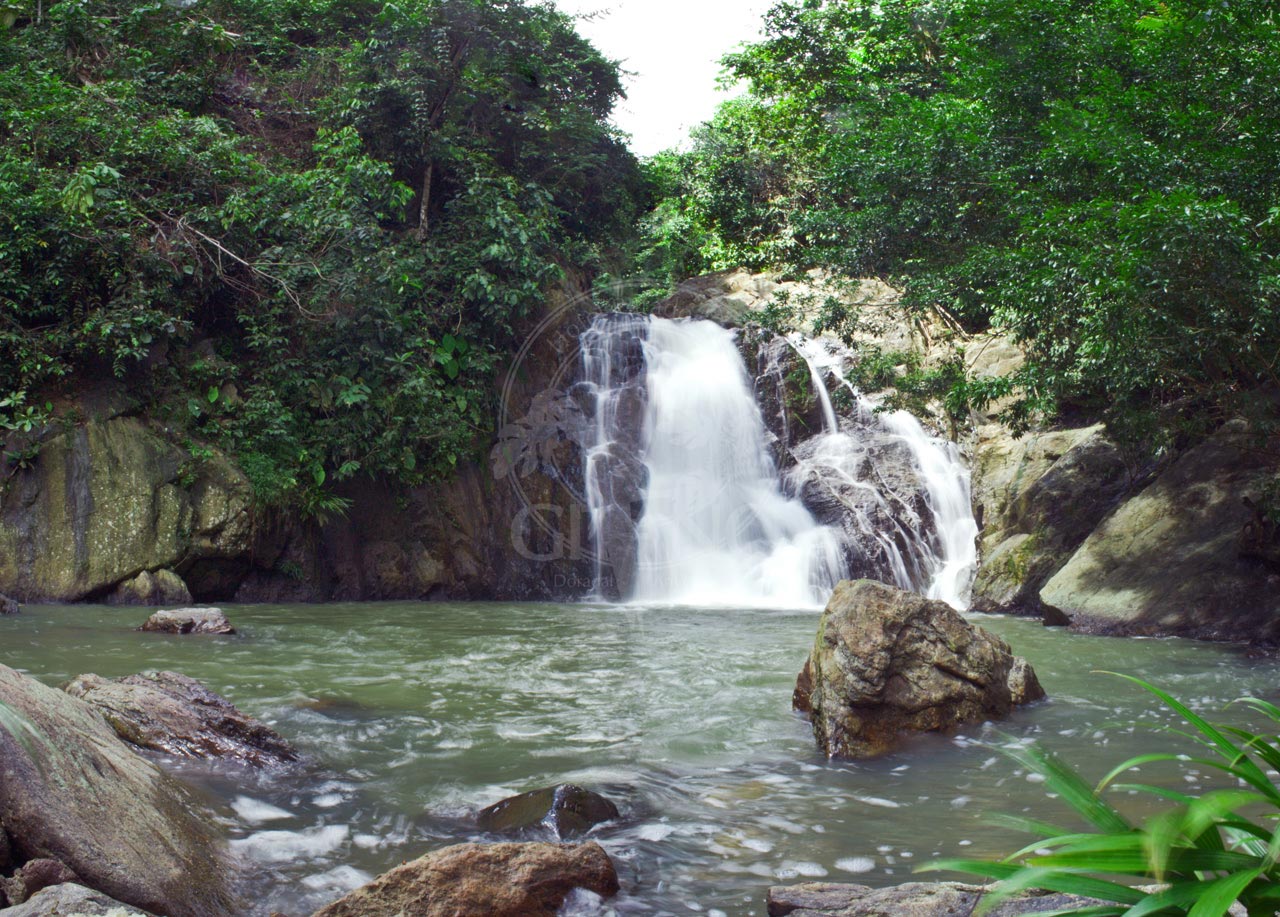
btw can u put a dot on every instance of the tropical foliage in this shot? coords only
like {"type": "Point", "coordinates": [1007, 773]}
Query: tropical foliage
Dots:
{"type": "Point", "coordinates": [1196, 857]}
{"type": "Point", "coordinates": [1099, 179]}
{"type": "Point", "coordinates": [304, 230]}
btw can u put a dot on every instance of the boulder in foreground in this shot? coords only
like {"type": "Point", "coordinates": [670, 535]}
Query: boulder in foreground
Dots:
{"type": "Point", "coordinates": [174, 714]}
{"type": "Point", "coordinates": [497, 880]}
{"type": "Point", "coordinates": [189, 621]}
{"type": "Point", "coordinates": [71, 791]}
{"type": "Point", "coordinates": [566, 810]}
{"type": "Point", "coordinates": [72, 901]}
{"type": "Point", "coordinates": [915, 899]}
{"type": "Point", "coordinates": [887, 663]}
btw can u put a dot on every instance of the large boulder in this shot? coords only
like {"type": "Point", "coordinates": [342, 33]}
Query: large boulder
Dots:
{"type": "Point", "coordinates": [188, 621]}
{"type": "Point", "coordinates": [176, 715]}
{"type": "Point", "coordinates": [497, 880]}
{"type": "Point", "coordinates": [1169, 560]}
{"type": "Point", "coordinates": [1039, 497]}
{"type": "Point", "coordinates": [71, 791]}
{"type": "Point", "coordinates": [70, 900]}
{"type": "Point", "coordinates": [887, 663]}
{"type": "Point", "coordinates": [163, 587]}
{"type": "Point", "coordinates": [566, 810]}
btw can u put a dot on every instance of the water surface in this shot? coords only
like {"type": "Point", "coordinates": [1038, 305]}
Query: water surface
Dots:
{"type": "Point", "coordinates": [416, 715]}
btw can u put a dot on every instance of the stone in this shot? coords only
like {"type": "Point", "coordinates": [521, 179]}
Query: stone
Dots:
{"type": "Point", "coordinates": [887, 663]}
{"type": "Point", "coordinates": [497, 880]}
{"type": "Point", "coordinates": [8, 606]}
{"type": "Point", "coordinates": [71, 791]}
{"type": "Point", "coordinates": [34, 876]}
{"type": "Point", "coordinates": [189, 621]}
{"type": "Point", "coordinates": [70, 900]}
{"type": "Point", "coordinates": [914, 899]}
{"type": "Point", "coordinates": [1168, 561]}
{"type": "Point", "coordinates": [566, 810]}
{"type": "Point", "coordinates": [176, 715]}
{"type": "Point", "coordinates": [163, 587]}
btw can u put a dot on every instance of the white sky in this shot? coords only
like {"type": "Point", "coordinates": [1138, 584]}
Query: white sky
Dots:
{"type": "Point", "coordinates": [672, 48]}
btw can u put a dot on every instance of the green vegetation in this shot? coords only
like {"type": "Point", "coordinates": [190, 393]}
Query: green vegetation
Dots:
{"type": "Point", "coordinates": [1097, 179]}
{"type": "Point", "coordinates": [1202, 852]}
{"type": "Point", "coordinates": [305, 231]}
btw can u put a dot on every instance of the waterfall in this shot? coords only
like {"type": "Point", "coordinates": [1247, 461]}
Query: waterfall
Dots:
{"type": "Point", "coordinates": [949, 558]}
{"type": "Point", "coordinates": [688, 506]}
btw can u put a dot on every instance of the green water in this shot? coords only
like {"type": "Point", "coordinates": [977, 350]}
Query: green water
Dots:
{"type": "Point", "coordinates": [416, 715]}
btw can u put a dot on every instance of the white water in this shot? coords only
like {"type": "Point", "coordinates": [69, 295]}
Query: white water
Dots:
{"type": "Point", "coordinates": [952, 565]}
{"type": "Point", "coordinates": [717, 529]}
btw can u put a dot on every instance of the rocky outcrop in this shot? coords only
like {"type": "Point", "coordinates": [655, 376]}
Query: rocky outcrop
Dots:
{"type": "Point", "coordinates": [176, 715]}
{"type": "Point", "coordinates": [915, 899]}
{"type": "Point", "coordinates": [887, 663]}
{"type": "Point", "coordinates": [71, 791]}
{"type": "Point", "coordinates": [71, 900]}
{"type": "Point", "coordinates": [8, 606]}
{"type": "Point", "coordinates": [188, 621]}
{"type": "Point", "coordinates": [111, 499]}
{"type": "Point", "coordinates": [498, 880]}
{"type": "Point", "coordinates": [163, 587]}
{"type": "Point", "coordinates": [565, 810]}
{"type": "Point", "coordinates": [1169, 559]}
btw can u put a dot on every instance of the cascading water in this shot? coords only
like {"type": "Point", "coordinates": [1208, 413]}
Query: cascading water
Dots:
{"type": "Point", "coordinates": [686, 501]}
{"type": "Point", "coordinates": [716, 528]}
{"type": "Point", "coordinates": [946, 557]}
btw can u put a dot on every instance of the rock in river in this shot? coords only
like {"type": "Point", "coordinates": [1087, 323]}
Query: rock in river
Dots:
{"type": "Point", "coordinates": [567, 810]}
{"type": "Point", "coordinates": [71, 791]}
{"type": "Point", "coordinates": [915, 899]}
{"type": "Point", "coordinates": [888, 662]}
{"type": "Point", "coordinates": [174, 714]}
{"type": "Point", "coordinates": [8, 606]}
{"type": "Point", "coordinates": [189, 621]}
{"type": "Point", "coordinates": [72, 901]}
{"type": "Point", "coordinates": [497, 880]}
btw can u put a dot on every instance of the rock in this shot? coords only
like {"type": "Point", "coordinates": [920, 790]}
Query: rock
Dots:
{"type": "Point", "coordinates": [34, 876]}
{"type": "Point", "coordinates": [164, 587]}
{"type": "Point", "coordinates": [1040, 497]}
{"type": "Point", "coordinates": [72, 901]}
{"type": "Point", "coordinates": [8, 606]}
{"type": "Point", "coordinates": [567, 810]}
{"type": "Point", "coordinates": [1167, 561]}
{"type": "Point", "coordinates": [915, 899]}
{"type": "Point", "coordinates": [174, 714]}
{"type": "Point", "coordinates": [497, 880]}
{"type": "Point", "coordinates": [109, 499]}
{"type": "Point", "coordinates": [189, 621]}
{"type": "Point", "coordinates": [71, 791]}
{"type": "Point", "coordinates": [888, 662]}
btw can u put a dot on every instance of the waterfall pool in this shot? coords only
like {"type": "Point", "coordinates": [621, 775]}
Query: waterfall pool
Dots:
{"type": "Point", "coordinates": [414, 716]}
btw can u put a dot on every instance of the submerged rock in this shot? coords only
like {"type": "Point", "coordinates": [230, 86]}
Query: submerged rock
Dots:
{"type": "Point", "coordinates": [71, 791]}
{"type": "Point", "coordinates": [497, 880]}
{"type": "Point", "coordinates": [915, 899]}
{"type": "Point", "coordinates": [567, 810]}
{"type": "Point", "coordinates": [174, 714]}
{"type": "Point", "coordinates": [189, 621]}
{"type": "Point", "coordinates": [164, 587]}
{"type": "Point", "coordinates": [888, 662]}
{"type": "Point", "coordinates": [8, 606]}
{"type": "Point", "coordinates": [70, 900]}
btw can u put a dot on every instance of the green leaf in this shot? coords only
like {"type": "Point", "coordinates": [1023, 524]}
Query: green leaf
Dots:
{"type": "Point", "coordinates": [1217, 897]}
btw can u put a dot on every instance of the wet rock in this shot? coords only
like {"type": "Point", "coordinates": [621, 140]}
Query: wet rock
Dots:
{"type": "Point", "coordinates": [497, 880]}
{"type": "Point", "coordinates": [8, 606]}
{"type": "Point", "coordinates": [70, 790]}
{"type": "Point", "coordinates": [70, 900]}
{"type": "Point", "coordinates": [163, 587]}
{"type": "Point", "coordinates": [887, 663]}
{"type": "Point", "coordinates": [189, 621]}
{"type": "Point", "coordinates": [34, 876]}
{"type": "Point", "coordinates": [915, 899]}
{"type": "Point", "coordinates": [174, 714]}
{"type": "Point", "coordinates": [567, 810]}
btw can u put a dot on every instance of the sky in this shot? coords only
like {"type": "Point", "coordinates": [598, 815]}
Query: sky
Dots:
{"type": "Point", "coordinates": [672, 49]}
